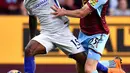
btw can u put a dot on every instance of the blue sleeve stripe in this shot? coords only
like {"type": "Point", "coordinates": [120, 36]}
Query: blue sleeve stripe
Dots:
{"type": "Point", "coordinates": [56, 3]}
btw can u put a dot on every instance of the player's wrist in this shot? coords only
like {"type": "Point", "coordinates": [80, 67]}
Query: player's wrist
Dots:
{"type": "Point", "coordinates": [64, 11]}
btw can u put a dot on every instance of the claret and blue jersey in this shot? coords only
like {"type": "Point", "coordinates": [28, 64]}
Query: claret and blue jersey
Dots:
{"type": "Point", "coordinates": [96, 19]}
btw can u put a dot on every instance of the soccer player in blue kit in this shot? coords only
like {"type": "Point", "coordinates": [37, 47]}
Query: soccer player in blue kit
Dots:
{"type": "Point", "coordinates": [94, 30]}
{"type": "Point", "coordinates": [54, 32]}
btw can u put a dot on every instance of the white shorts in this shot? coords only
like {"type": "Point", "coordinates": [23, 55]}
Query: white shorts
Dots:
{"type": "Point", "coordinates": [63, 39]}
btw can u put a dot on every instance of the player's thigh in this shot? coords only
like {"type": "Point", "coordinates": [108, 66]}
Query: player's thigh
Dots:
{"type": "Point", "coordinates": [34, 48]}
{"type": "Point", "coordinates": [67, 42]}
{"type": "Point", "coordinates": [95, 47]}
{"type": "Point", "coordinates": [39, 45]}
{"type": "Point", "coordinates": [96, 42]}
{"type": "Point", "coordinates": [71, 47]}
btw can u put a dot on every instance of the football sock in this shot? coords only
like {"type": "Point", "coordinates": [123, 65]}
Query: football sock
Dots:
{"type": "Point", "coordinates": [102, 68]}
{"type": "Point", "coordinates": [29, 65]}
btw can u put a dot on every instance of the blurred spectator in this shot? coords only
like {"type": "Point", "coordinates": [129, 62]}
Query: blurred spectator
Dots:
{"type": "Point", "coordinates": [10, 6]}
{"type": "Point", "coordinates": [67, 4]}
{"type": "Point", "coordinates": [70, 4]}
{"type": "Point", "coordinates": [122, 9]}
{"type": "Point", "coordinates": [113, 5]}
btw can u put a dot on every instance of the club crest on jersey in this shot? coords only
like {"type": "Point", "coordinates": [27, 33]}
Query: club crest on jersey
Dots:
{"type": "Point", "coordinates": [93, 2]}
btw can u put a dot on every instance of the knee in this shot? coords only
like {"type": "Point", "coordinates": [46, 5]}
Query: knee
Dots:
{"type": "Point", "coordinates": [34, 50]}
{"type": "Point", "coordinates": [29, 52]}
{"type": "Point", "coordinates": [88, 69]}
{"type": "Point", "coordinates": [79, 58]}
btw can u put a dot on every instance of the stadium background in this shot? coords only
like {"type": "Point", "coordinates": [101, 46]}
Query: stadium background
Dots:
{"type": "Point", "coordinates": [14, 35]}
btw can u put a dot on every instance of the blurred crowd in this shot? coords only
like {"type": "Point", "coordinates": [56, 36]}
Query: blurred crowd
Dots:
{"type": "Point", "coordinates": [11, 7]}
{"type": "Point", "coordinates": [119, 7]}
{"type": "Point", "coordinates": [15, 7]}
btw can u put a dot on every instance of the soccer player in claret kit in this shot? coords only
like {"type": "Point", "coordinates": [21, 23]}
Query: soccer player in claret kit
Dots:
{"type": "Point", "coordinates": [94, 30]}
{"type": "Point", "coordinates": [54, 32]}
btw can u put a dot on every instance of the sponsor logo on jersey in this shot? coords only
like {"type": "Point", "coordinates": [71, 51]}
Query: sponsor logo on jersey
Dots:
{"type": "Point", "coordinates": [43, 3]}
{"type": "Point", "coordinates": [93, 2]}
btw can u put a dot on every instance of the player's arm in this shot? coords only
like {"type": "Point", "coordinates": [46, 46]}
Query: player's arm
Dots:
{"type": "Point", "coordinates": [90, 6]}
{"type": "Point", "coordinates": [32, 25]}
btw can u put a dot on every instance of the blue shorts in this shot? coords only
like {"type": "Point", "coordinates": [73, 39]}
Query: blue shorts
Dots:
{"type": "Point", "coordinates": [94, 42]}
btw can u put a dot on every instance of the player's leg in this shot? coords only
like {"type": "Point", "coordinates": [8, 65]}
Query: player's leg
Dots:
{"type": "Point", "coordinates": [105, 64]}
{"type": "Point", "coordinates": [92, 61]}
{"type": "Point", "coordinates": [70, 46]}
{"type": "Point", "coordinates": [80, 59]}
{"type": "Point", "coordinates": [110, 63]}
{"type": "Point", "coordinates": [80, 64]}
{"type": "Point", "coordinates": [102, 68]}
{"type": "Point", "coordinates": [94, 45]}
{"type": "Point", "coordinates": [38, 45]}
{"type": "Point", "coordinates": [77, 54]}
{"type": "Point", "coordinates": [33, 48]}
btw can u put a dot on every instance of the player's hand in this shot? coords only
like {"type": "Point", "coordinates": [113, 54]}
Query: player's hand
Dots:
{"type": "Point", "coordinates": [58, 11]}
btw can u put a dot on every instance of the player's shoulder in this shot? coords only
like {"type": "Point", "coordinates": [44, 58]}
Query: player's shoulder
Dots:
{"type": "Point", "coordinates": [25, 2]}
{"type": "Point", "coordinates": [102, 1]}
{"type": "Point", "coordinates": [98, 1]}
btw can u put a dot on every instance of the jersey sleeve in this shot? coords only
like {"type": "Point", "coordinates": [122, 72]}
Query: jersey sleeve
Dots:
{"type": "Point", "coordinates": [29, 12]}
{"type": "Point", "coordinates": [25, 6]}
{"type": "Point", "coordinates": [94, 4]}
